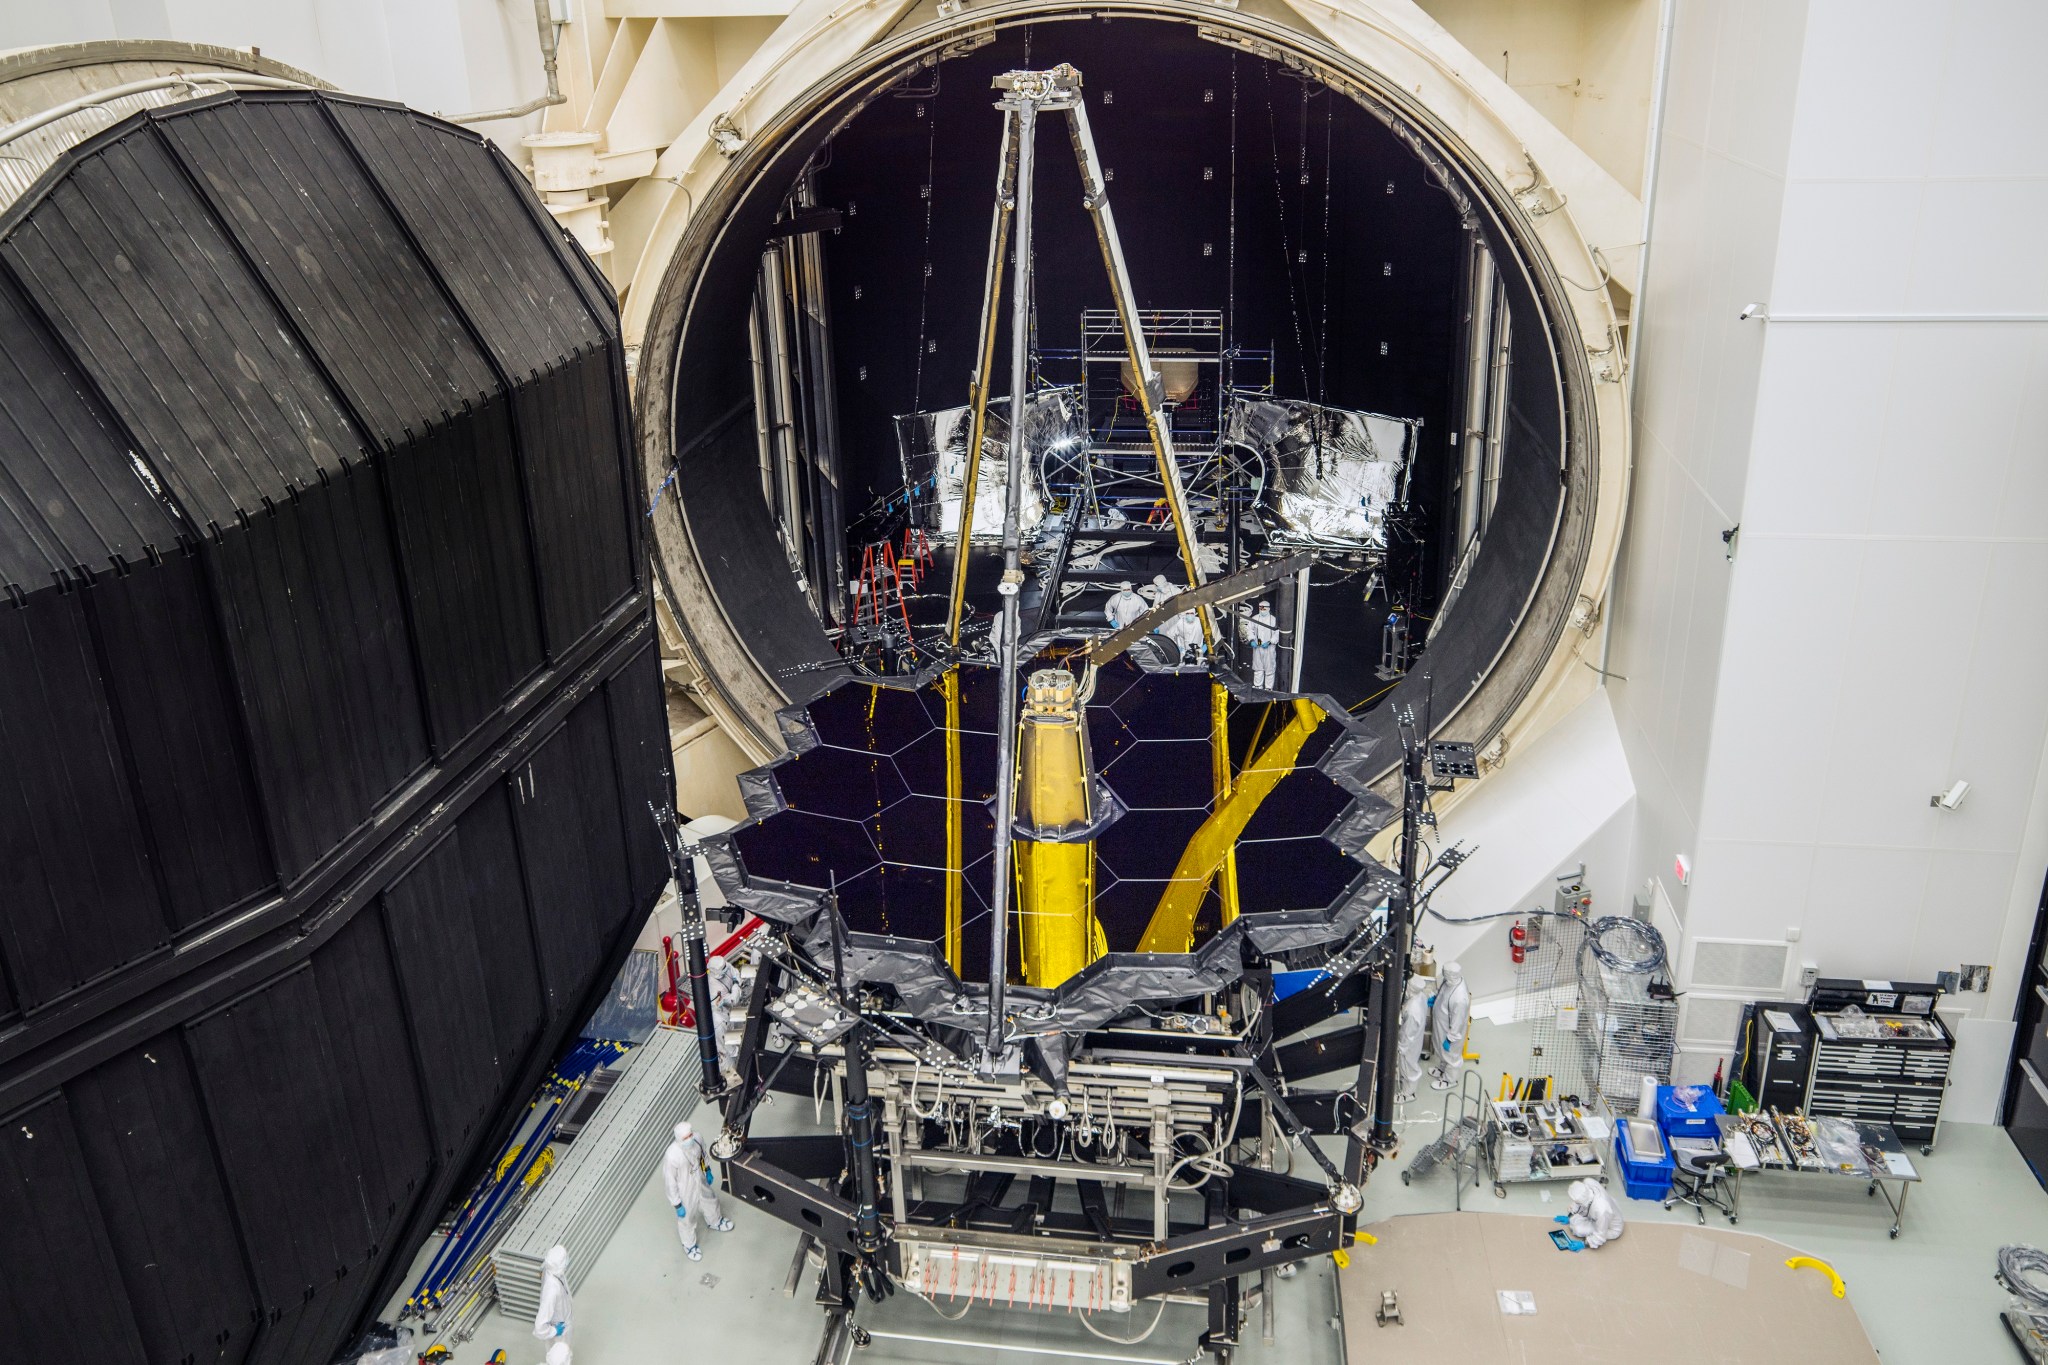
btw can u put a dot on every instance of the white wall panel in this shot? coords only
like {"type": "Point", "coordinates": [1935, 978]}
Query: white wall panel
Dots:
{"type": "Point", "coordinates": [1962, 910]}
{"type": "Point", "coordinates": [1862, 915]}
{"type": "Point", "coordinates": [1847, 247]}
{"type": "Point", "coordinates": [1756, 58]}
{"type": "Point", "coordinates": [1781, 679]}
{"type": "Point", "coordinates": [1852, 123]}
{"type": "Point", "coordinates": [1819, 430]}
{"type": "Point", "coordinates": [1750, 888]}
{"type": "Point", "coordinates": [1883, 632]}
{"type": "Point", "coordinates": [1988, 103]}
{"type": "Point", "coordinates": [1978, 246]}
{"type": "Point", "coordinates": [2003, 719]}
{"type": "Point", "coordinates": [1563, 801]}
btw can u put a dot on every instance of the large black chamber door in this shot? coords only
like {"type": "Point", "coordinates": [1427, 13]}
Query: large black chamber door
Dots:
{"type": "Point", "coordinates": [330, 712]}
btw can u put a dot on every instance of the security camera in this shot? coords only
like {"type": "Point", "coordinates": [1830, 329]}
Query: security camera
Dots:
{"type": "Point", "coordinates": [1752, 310]}
{"type": "Point", "coordinates": [1951, 798]}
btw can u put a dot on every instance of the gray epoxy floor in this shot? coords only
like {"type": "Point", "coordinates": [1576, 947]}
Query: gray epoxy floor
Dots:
{"type": "Point", "coordinates": [1927, 1296]}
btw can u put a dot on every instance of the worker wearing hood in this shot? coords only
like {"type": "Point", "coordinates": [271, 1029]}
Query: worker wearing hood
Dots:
{"type": "Point", "coordinates": [553, 1321]}
{"type": "Point", "coordinates": [692, 1187]}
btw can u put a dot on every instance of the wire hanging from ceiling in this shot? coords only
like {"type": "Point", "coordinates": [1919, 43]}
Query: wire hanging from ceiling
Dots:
{"type": "Point", "coordinates": [1323, 322]}
{"type": "Point", "coordinates": [1287, 259]}
{"type": "Point", "coordinates": [930, 110]}
{"type": "Point", "coordinates": [1230, 250]}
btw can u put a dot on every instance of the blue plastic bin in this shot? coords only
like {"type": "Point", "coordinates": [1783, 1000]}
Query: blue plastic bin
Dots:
{"type": "Point", "coordinates": [1642, 1177]}
{"type": "Point", "coordinates": [1677, 1121]}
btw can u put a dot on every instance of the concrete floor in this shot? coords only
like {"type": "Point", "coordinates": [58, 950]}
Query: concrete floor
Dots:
{"type": "Point", "coordinates": [1927, 1296]}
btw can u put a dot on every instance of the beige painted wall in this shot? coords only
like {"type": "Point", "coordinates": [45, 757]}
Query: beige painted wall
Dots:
{"type": "Point", "coordinates": [1586, 65]}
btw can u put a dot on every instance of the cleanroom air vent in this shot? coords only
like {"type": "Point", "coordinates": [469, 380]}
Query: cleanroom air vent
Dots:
{"type": "Point", "coordinates": [1756, 966]}
{"type": "Point", "coordinates": [1710, 1021]}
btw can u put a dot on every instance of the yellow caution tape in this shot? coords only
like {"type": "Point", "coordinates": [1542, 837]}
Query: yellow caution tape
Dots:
{"type": "Point", "coordinates": [1809, 1262]}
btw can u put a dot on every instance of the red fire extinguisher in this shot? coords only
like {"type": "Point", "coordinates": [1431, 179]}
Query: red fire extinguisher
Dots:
{"type": "Point", "coordinates": [1518, 943]}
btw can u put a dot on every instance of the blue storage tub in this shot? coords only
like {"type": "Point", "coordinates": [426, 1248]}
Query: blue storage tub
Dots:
{"type": "Point", "coordinates": [1677, 1121]}
{"type": "Point", "coordinates": [1642, 1177]}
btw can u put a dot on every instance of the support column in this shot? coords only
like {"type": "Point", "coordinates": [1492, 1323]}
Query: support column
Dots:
{"type": "Point", "coordinates": [1400, 910]}
{"type": "Point", "coordinates": [984, 359]}
{"type": "Point", "coordinates": [949, 688]}
{"type": "Point", "coordinates": [1012, 582]}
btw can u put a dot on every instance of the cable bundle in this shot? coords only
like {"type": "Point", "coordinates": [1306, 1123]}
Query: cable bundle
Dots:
{"type": "Point", "coordinates": [1626, 945]}
{"type": "Point", "coordinates": [2024, 1272]}
{"type": "Point", "coordinates": [457, 1287]}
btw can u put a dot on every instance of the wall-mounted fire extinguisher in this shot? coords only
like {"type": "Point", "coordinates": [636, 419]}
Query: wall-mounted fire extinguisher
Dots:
{"type": "Point", "coordinates": [1518, 943]}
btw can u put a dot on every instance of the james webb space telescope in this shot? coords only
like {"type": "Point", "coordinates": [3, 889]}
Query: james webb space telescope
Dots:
{"type": "Point", "coordinates": [1106, 1123]}
{"type": "Point", "coordinates": [1054, 928]}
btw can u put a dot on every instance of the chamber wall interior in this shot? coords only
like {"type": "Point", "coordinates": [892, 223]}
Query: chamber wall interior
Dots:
{"type": "Point", "coordinates": [906, 339]}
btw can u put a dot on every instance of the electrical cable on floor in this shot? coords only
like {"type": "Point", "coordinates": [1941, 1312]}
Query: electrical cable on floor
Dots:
{"type": "Point", "coordinates": [1157, 1314]}
{"type": "Point", "coordinates": [2024, 1270]}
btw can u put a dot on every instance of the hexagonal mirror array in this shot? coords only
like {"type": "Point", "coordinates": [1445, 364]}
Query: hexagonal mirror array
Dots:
{"type": "Point", "coordinates": [859, 808]}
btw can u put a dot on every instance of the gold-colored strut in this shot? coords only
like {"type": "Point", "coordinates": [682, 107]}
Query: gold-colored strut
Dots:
{"type": "Point", "coordinates": [1219, 763]}
{"type": "Point", "coordinates": [949, 687]}
{"type": "Point", "coordinates": [1059, 934]}
{"type": "Point", "coordinates": [1172, 927]}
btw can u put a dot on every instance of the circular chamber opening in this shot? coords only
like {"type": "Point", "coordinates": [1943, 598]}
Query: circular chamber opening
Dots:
{"type": "Point", "coordinates": [1362, 353]}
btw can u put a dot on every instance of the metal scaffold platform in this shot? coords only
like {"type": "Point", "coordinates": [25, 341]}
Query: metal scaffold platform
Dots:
{"type": "Point", "coordinates": [610, 1162]}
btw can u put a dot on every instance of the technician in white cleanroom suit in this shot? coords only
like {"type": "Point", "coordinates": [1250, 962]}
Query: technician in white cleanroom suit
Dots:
{"type": "Point", "coordinates": [1125, 606]}
{"type": "Point", "coordinates": [1184, 629]}
{"type": "Point", "coordinates": [552, 1322]}
{"type": "Point", "coordinates": [1262, 633]}
{"type": "Point", "coordinates": [1183, 632]}
{"type": "Point", "coordinates": [558, 1354]}
{"type": "Point", "coordinates": [1595, 1219]}
{"type": "Point", "coordinates": [1451, 1016]}
{"type": "Point", "coordinates": [687, 1176]}
{"type": "Point", "coordinates": [1413, 1037]}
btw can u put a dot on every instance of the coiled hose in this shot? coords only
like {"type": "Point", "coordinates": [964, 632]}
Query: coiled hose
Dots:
{"type": "Point", "coordinates": [1626, 944]}
{"type": "Point", "coordinates": [2024, 1270]}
